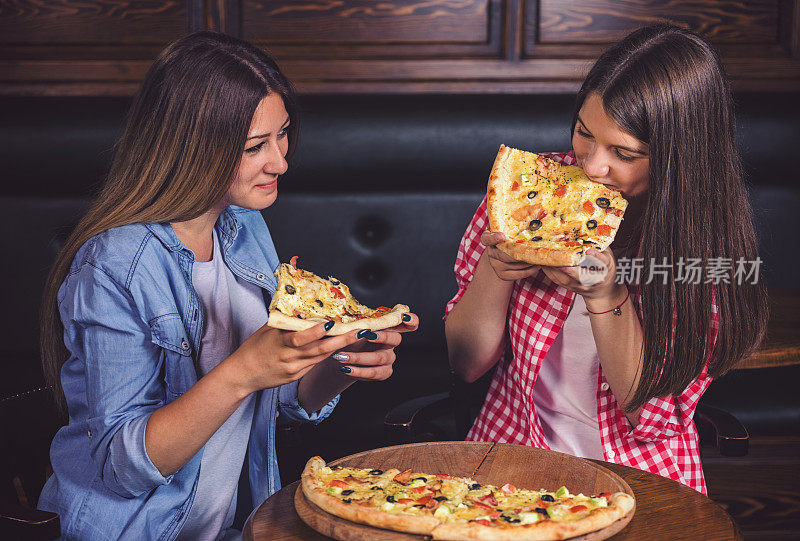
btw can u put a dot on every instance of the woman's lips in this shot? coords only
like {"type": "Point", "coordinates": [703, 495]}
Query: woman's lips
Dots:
{"type": "Point", "coordinates": [269, 186]}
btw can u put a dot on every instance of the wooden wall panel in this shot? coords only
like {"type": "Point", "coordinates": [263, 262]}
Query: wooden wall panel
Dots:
{"type": "Point", "coordinates": [105, 29]}
{"type": "Point", "coordinates": [605, 21]}
{"type": "Point", "coordinates": [103, 47]}
{"type": "Point", "coordinates": [367, 29]}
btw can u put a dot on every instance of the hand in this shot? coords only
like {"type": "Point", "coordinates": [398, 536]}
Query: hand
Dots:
{"type": "Point", "coordinates": [371, 359]}
{"type": "Point", "coordinates": [272, 357]}
{"type": "Point", "coordinates": [505, 267]}
{"type": "Point", "coordinates": [605, 290]}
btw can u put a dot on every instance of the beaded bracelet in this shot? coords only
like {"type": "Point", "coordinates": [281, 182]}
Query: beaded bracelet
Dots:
{"type": "Point", "coordinates": [616, 310]}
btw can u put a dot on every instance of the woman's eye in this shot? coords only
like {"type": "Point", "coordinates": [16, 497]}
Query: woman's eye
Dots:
{"type": "Point", "coordinates": [624, 157]}
{"type": "Point", "coordinates": [581, 132]}
{"type": "Point", "coordinates": [254, 149]}
{"type": "Point", "coordinates": [283, 133]}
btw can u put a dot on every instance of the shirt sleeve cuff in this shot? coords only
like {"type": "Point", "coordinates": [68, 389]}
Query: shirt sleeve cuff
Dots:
{"type": "Point", "coordinates": [128, 470]}
{"type": "Point", "coordinates": [657, 421]}
{"type": "Point", "coordinates": [291, 410]}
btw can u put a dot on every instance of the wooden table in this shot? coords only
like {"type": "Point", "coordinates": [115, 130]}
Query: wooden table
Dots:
{"type": "Point", "coordinates": [665, 509]}
{"type": "Point", "coordinates": [781, 346]}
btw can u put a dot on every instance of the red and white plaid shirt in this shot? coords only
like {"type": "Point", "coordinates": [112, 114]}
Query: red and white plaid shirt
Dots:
{"type": "Point", "coordinates": [664, 442]}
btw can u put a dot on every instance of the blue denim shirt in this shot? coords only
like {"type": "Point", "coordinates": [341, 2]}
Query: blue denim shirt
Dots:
{"type": "Point", "coordinates": [132, 324]}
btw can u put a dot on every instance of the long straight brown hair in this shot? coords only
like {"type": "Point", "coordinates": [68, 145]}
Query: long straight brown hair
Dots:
{"type": "Point", "coordinates": [183, 139]}
{"type": "Point", "coordinates": [666, 87]}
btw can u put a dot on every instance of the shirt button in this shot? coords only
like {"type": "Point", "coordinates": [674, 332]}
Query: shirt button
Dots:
{"type": "Point", "coordinates": [611, 454]}
{"type": "Point", "coordinates": [604, 386]}
{"type": "Point", "coordinates": [89, 433]}
{"type": "Point", "coordinates": [260, 277]}
{"type": "Point", "coordinates": [184, 344]}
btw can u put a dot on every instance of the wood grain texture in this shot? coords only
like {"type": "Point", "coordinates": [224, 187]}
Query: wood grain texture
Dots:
{"type": "Point", "coordinates": [91, 22]}
{"type": "Point", "coordinates": [665, 509]}
{"type": "Point", "coordinates": [605, 21]}
{"type": "Point", "coordinates": [781, 347]}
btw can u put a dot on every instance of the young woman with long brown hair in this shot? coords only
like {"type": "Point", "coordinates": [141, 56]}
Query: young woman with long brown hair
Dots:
{"type": "Point", "coordinates": [153, 321]}
{"type": "Point", "coordinates": [613, 370]}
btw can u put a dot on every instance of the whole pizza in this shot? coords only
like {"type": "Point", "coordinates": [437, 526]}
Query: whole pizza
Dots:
{"type": "Point", "coordinates": [550, 213]}
{"type": "Point", "coordinates": [455, 508]}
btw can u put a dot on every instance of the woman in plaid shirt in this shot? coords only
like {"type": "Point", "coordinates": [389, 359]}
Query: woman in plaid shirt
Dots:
{"type": "Point", "coordinates": [654, 120]}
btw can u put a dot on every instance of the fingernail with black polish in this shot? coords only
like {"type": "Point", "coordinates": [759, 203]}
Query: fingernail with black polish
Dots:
{"type": "Point", "coordinates": [329, 325]}
{"type": "Point", "coordinates": [371, 336]}
{"type": "Point", "coordinates": [340, 357]}
{"type": "Point", "coordinates": [345, 369]}
{"type": "Point", "coordinates": [406, 317]}
{"type": "Point", "coordinates": [363, 332]}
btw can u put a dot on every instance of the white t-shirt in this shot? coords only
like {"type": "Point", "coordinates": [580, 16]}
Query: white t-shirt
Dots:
{"type": "Point", "coordinates": [233, 309]}
{"type": "Point", "coordinates": [565, 393]}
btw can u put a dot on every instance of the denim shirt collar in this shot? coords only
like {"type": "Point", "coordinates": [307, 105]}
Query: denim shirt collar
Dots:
{"type": "Point", "coordinates": [227, 226]}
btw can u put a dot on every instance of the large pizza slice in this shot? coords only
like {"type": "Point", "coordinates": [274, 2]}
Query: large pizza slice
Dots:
{"type": "Point", "coordinates": [302, 299]}
{"type": "Point", "coordinates": [455, 508]}
{"type": "Point", "coordinates": [551, 213]}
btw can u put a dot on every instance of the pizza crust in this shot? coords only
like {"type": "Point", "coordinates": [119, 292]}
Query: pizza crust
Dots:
{"type": "Point", "coordinates": [620, 505]}
{"type": "Point", "coordinates": [392, 318]}
{"type": "Point", "coordinates": [541, 256]}
{"type": "Point", "coordinates": [315, 492]}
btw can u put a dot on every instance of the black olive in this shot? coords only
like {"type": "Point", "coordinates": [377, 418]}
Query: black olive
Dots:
{"type": "Point", "coordinates": [336, 467]}
{"type": "Point", "coordinates": [319, 302]}
{"type": "Point", "coordinates": [534, 225]}
{"type": "Point", "coordinates": [541, 510]}
{"type": "Point", "coordinates": [532, 194]}
{"type": "Point", "coordinates": [512, 520]}
{"type": "Point", "coordinates": [347, 492]}
{"type": "Point", "coordinates": [536, 238]}
{"type": "Point", "coordinates": [390, 499]}
{"type": "Point", "coordinates": [591, 224]}
{"type": "Point", "coordinates": [420, 506]}
{"type": "Point", "coordinates": [375, 472]}
{"type": "Point", "coordinates": [547, 498]}
{"type": "Point", "coordinates": [603, 202]}
{"type": "Point", "coordinates": [335, 282]}
{"type": "Point", "coordinates": [376, 488]}
{"type": "Point", "coordinates": [440, 498]}
{"type": "Point", "coordinates": [346, 501]}
{"type": "Point", "coordinates": [420, 479]}
{"type": "Point", "coordinates": [290, 289]}
{"type": "Point", "coordinates": [475, 486]}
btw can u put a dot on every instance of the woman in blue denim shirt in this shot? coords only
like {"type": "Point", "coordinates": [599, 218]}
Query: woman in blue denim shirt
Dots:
{"type": "Point", "coordinates": [153, 320]}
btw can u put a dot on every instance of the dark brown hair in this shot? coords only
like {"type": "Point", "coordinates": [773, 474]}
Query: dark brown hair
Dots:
{"type": "Point", "coordinates": [183, 139]}
{"type": "Point", "coordinates": [666, 87]}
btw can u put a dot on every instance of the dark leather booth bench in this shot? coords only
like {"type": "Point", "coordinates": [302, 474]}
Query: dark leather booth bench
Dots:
{"type": "Point", "coordinates": [378, 195]}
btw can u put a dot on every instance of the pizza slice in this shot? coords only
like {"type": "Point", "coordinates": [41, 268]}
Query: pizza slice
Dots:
{"type": "Point", "coordinates": [551, 213]}
{"type": "Point", "coordinates": [451, 508]}
{"type": "Point", "coordinates": [302, 299]}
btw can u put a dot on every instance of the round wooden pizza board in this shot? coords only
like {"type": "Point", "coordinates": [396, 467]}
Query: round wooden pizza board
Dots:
{"type": "Point", "coordinates": [487, 463]}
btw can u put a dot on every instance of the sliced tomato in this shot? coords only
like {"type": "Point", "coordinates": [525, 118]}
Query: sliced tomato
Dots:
{"type": "Point", "coordinates": [615, 212]}
{"type": "Point", "coordinates": [424, 500]}
{"type": "Point", "coordinates": [293, 261]}
{"type": "Point", "coordinates": [351, 479]}
{"type": "Point", "coordinates": [383, 308]}
{"type": "Point", "coordinates": [573, 243]}
{"type": "Point", "coordinates": [484, 521]}
{"type": "Point", "coordinates": [588, 207]}
{"type": "Point", "coordinates": [337, 293]}
{"type": "Point", "coordinates": [545, 505]}
{"type": "Point", "coordinates": [495, 513]}
{"type": "Point", "coordinates": [443, 476]}
{"type": "Point", "coordinates": [578, 509]}
{"type": "Point", "coordinates": [403, 477]}
{"type": "Point", "coordinates": [338, 483]}
{"type": "Point", "coordinates": [419, 490]}
{"type": "Point", "coordinates": [514, 186]}
{"type": "Point", "coordinates": [489, 498]}
{"type": "Point", "coordinates": [508, 488]}
{"type": "Point", "coordinates": [539, 212]}
{"type": "Point", "coordinates": [604, 494]}
{"type": "Point", "coordinates": [481, 504]}
{"type": "Point", "coordinates": [604, 230]}
{"type": "Point", "coordinates": [561, 191]}
{"type": "Point", "coordinates": [406, 500]}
